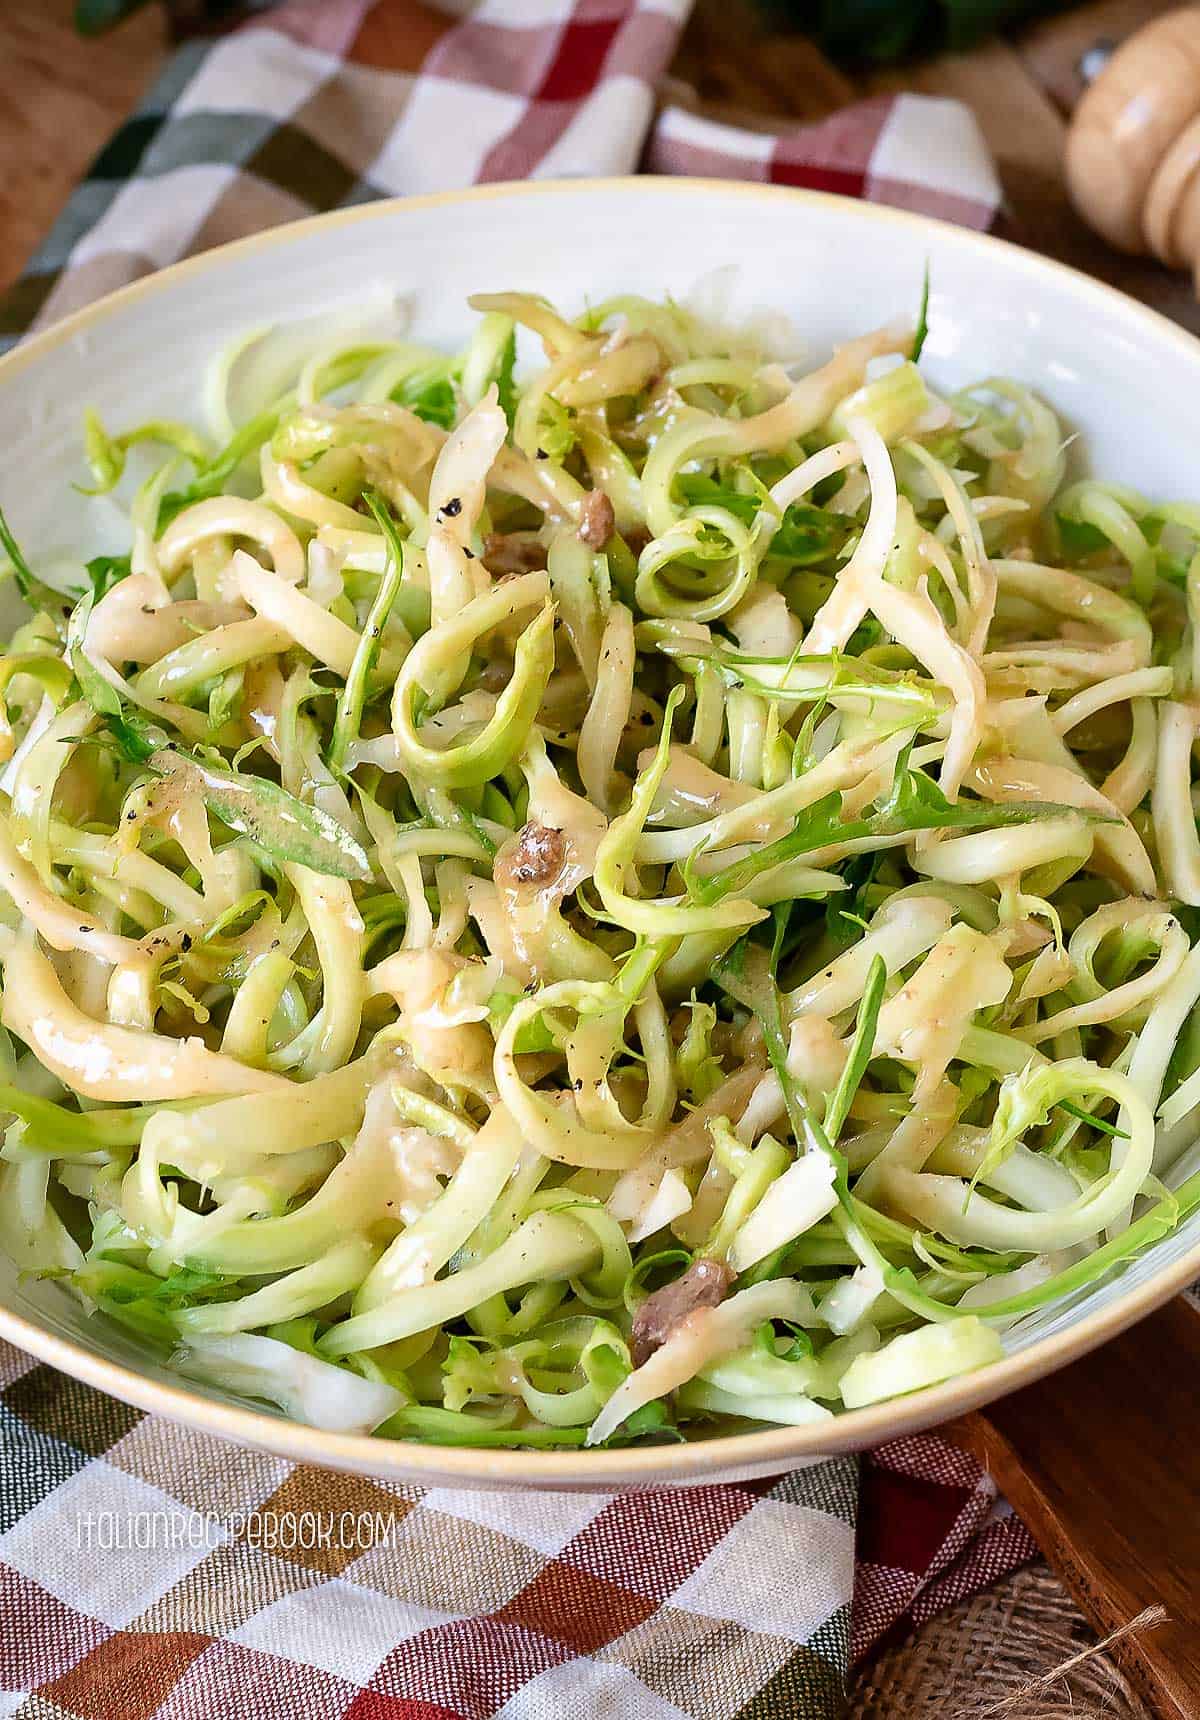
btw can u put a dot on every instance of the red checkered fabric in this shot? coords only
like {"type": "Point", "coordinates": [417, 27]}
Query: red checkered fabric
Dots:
{"type": "Point", "coordinates": [151, 1573]}
{"type": "Point", "coordinates": [932, 1530]}
{"type": "Point", "coordinates": [323, 103]}
{"type": "Point", "coordinates": [916, 152]}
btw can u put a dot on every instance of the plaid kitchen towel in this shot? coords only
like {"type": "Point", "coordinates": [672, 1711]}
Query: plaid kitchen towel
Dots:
{"type": "Point", "coordinates": [324, 103]}
{"type": "Point", "coordinates": [146, 1571]}
{"type": "Point", "coordinates": [151, 1573]}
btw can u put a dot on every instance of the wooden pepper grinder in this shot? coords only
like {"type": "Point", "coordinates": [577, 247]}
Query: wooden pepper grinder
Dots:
{"type": "Point", "coordinates": [1133, 148]}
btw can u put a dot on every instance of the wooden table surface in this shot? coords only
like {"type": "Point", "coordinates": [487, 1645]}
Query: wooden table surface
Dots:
{"type": "Point", "coordinates": [62, 98]}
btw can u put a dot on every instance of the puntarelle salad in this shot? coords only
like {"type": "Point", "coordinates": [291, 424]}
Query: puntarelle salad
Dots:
{"type": "Point", "coordinates": [604, 901]}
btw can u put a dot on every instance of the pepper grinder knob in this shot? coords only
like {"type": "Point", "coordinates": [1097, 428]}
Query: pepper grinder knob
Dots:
{"type": "Point", "coordinates": [1133, 147]}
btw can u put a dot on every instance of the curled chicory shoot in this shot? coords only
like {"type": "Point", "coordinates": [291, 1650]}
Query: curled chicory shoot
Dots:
{"type": "Point", "coordinates": [608, 903]}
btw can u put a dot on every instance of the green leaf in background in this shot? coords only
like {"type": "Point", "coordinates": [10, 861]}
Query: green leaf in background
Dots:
{"type": "Point", "coordinates": [94, 16]}
{"type": "Point", "coordinates": [882, 30]}
{"type": "Point", "coordinates": [186, 16]}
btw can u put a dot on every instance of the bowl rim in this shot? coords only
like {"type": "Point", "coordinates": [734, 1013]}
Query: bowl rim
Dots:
{"type": "Point", "coordinates": [770, 1449]}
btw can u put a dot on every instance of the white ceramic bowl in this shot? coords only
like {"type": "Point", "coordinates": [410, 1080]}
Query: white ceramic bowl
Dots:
{"type": "Point", "coordinates": [1125, 378]}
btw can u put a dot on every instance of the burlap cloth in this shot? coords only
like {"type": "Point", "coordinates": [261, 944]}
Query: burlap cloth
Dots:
{"type": "Point", "coordinates": [960, 1665]}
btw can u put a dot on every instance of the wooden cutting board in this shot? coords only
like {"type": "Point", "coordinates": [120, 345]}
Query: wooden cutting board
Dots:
{"type": "Point", "coordinates": [1102, 1461]}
